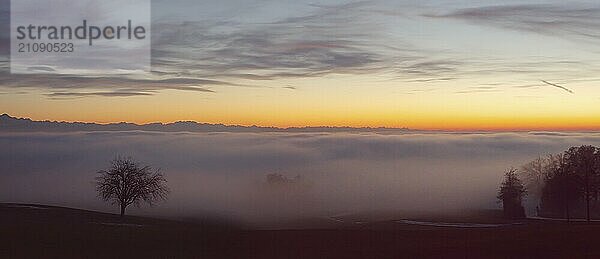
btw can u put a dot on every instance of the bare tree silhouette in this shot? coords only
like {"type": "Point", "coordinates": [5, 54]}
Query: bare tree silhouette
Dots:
{"type": "Point", "coordinates": [511, 195]}
{"type": "Point", "coordinates": [536, 173]}
{"type": "Point", "coordinates": [127, 182]}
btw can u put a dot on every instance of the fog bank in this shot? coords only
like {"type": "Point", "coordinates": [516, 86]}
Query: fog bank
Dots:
{"type": "Point", "coordinates": [224, 174]}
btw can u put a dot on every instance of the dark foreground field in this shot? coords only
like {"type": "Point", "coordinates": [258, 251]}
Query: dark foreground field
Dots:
{"type": "Point", "coordinates": [35, 231]}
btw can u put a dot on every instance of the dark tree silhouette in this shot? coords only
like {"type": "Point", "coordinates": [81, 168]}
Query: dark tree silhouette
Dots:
{"type": "Point", "coordinates": [571, 182]}
{"type": "Point", "coordinates": [561, 191]}
{"type": "Point", "coordinates": [511, 195]}
{"type": "Point", "coordinates": [126, 182]}
{"type": "Point", "coordinates": [582, 162]}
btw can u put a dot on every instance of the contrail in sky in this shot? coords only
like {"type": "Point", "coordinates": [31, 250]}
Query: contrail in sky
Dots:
{"type": "Point", "coordinates": [559, 86]}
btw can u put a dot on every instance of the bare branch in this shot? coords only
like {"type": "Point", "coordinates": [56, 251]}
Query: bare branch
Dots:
{"type": "Point", "coordinates": [126, 183]}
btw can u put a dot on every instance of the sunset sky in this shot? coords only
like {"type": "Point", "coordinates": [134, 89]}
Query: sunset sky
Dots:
{"type": "Point", "coordinates": [453, 65]}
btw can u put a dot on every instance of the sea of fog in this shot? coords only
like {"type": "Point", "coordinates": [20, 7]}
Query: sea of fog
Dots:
{"type": "Point", "coordinates": [224, 174]}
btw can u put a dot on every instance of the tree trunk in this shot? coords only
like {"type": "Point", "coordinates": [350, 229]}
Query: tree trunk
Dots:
{"type": "Point", "coordinates": [568, 213]}
{"type": "Point", "coordinates": [123, 210]}
{"type": "Point", "coordinates": [587, 195]}
{"type": "Point", "coordinates": [588, 208]}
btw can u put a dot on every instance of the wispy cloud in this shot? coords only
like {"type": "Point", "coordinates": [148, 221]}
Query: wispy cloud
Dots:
{"type": "Point", "coordinates": [571, 21]}
{"type": "Point", "coordinates": [72, 95]}
{"type": "Point", "coordinates": [107, 86]}
{"type": "Point", "coordinates": [193, 55]}
{"type": "Point", "coordinates": [331, 39]}
{"type": "Point", "coordinates": [472, 90]}
{"type": "Point", "coordinates": [323, 39]}
{"type": "Point", "coordinates": [204, 54]}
